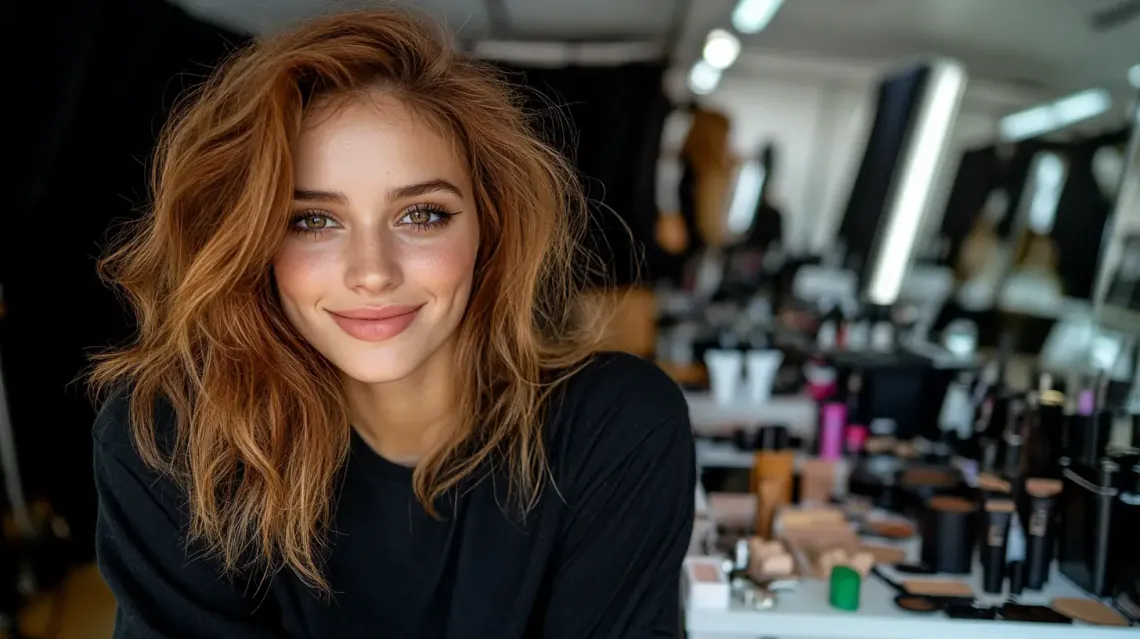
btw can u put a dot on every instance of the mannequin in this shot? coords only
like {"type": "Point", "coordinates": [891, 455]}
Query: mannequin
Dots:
{"type": "Point", "coordinates": [708, 169]}
{"type": "Point", "coordinates": [981, 260]}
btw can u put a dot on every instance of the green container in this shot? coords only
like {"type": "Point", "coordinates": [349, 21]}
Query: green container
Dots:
{"type": "Point", "coordinates": [845, 584]}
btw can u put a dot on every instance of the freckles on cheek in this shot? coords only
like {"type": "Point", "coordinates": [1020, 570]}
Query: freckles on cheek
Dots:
{"type": "Point", "coordinates": [449, 262]}
{"type": "Point", "coordinates": [300, 269]}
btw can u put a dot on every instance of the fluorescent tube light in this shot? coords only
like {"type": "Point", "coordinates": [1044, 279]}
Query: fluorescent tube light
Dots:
{"type": "Point", "coordinates": [745, 197]}
{"type": "Point", "coordinates": [1054, 116]}
{"type": "Point", "coordinates": [721, 49]}
{"type": "Point", "coordinates": [926, 149]}
{"type": "Point", "coordinates": [752, 16]}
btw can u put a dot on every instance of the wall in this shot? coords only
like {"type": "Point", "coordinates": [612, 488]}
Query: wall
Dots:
{"type": "Point", "coordinates": [818, 112]}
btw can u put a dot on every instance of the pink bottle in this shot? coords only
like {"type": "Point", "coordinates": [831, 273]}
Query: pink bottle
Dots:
{"type": "Point", "coordinates": [832, 423]}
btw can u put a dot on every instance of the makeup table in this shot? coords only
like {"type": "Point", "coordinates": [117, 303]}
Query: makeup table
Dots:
{"type": "Point", "coordinates": [806, 614]}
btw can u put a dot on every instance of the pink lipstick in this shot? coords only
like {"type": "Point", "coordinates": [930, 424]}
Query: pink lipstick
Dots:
{"type": "Point", "coordinates": [375, 323]}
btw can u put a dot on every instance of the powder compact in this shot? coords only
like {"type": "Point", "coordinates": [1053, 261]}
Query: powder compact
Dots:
{"type": "Point", "coordinates": [916, 603]}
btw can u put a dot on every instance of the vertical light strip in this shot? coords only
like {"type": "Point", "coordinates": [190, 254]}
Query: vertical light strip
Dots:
{"type": "Point", "coordinates": [924, 154]}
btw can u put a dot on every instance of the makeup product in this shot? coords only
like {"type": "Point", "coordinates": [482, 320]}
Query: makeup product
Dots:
{"type": "Point", "coordinates": [1013, 441]}
{"type": "Point", "coordinates": [1015, 570]}
{"type": "Point", "coordinates": [1088, 611]}
{"type": "Point", "coordinates": [774, 463]}
{"type": "Point", "coordinates": [890, 529]}
{"type": "Point", "coordinates": [827, 336]}
{"type": "Point", "coordinates": [725, 373]}
{"type": "Point", "coordinates": [817, 481]}
{"type": "Point", "coordinates": [938, 588]}
{"type": "Point", "coordinates": [760, 373]}
{"type": "Point", "coordinates": [1046, 444]}
{"type": "Point", "coordinates": [1087, 499]}
{"type": "Point", "coordinates": [883, 336]}
{"type": "Point", "coordinates": [884, 554]}
{"type": "Point", "coordinates": [993, 485]}
{"type": "Point", "coordinates": [1086, 402]}
{"type": "Point", "coordinates": [1032, 614]}
{"type": "Point", "coordinates": [707, 585]}
{"type": "Point", "coordinates": [855, 438]}
{"type": "Point", "coordinates": [1042, 494]}
{"type": "Point", "coordinates": [915, 603]}
{"type": "Point", "coordinates": [768, 560]}
{"type": "Point", "coordinates": [998, 515]}
{"type": "Point", "coordinates": [970, 611]}
{"type": "Point", "coordinates": [832, 422]}
{"type": "Point", "coordinates": [914, 569]}
{"type": "Point", "coordinates": [771, 494]}
{"type": "Point", "coordinates": [845, 583]}
{"type": "Point", "coordinates": [948, 535]}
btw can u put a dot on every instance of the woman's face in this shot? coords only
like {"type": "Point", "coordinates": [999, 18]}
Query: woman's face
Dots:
{"type": "Point", "coordinates": [377, 266]}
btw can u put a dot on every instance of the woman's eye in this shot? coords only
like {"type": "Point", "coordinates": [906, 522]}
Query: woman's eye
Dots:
{"type": "Point", "coordinates": [313, 222]}
{"type": "Point", "coordinates": [419, 216]}
{"type": "Point", "coordinates": [424, 217]}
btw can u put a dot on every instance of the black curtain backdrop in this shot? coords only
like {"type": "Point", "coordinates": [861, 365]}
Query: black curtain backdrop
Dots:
{"type": "Point", "coordinates": [609, 120]}
{"type": "Point", "coordinates": [1082, 210]}
{"type": "Point", "coordinates": [1082, 213]}
{"type": "Point", "coordinates": [101, 77]}
{"type": "Point", "coordinates": [978, 174]}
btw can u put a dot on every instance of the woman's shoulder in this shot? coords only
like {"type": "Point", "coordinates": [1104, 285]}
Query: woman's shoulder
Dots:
{"type": "Point", "coordinates": [619, 403]}
{"type": "Point", "coordinates": [620, 380]}
{"type": "Point", "coordinates": [113, 431]}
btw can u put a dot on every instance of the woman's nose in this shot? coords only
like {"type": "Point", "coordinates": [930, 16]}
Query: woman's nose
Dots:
{"type": "Point", "coordinates": [372, 265]}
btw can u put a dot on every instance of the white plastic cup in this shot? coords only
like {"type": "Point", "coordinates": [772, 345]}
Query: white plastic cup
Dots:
{"type": "Point", "coordinates": [725, 371]}
{"type": "Point", "coordinates": [761, 367]}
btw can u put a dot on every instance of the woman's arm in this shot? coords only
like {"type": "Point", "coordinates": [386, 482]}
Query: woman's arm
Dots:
{"type": "Point", "coordinates": [630, 516]}
{"type": "Point", "coordinates": [164, 589]}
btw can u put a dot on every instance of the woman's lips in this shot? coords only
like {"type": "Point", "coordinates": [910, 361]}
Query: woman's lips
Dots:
{"type": "Point", "coordinates": [375, 324]}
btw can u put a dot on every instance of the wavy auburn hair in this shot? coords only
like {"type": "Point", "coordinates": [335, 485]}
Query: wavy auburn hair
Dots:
{"type": "Point", "coordinates": [262, 425]}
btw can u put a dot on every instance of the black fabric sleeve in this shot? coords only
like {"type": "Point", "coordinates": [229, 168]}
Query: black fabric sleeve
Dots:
{"type": "Point", "coordinates": [629, 512]}
{"type": "Point", "coordinates": [165, 589]}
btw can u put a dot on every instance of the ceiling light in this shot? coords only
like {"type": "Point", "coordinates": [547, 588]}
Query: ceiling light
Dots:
{"type": "Point", "coordinates": [721, 48]}
{"type": "Point", "coordinates": [1134, 76]}
{"type": "Point", "coordinates": [703, 78]}
{"type": "Point", "coordinates": [751, 16]}
{"type": "Point", "coordinates": [1056, 115]}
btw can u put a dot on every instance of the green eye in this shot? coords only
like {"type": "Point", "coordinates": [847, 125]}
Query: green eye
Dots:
{"type": "Point", "coordinates": [313, 222]}
{"type": "Point", "coordinates": [425, 216]}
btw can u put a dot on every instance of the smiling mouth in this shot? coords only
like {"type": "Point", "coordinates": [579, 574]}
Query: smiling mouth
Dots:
{"type": "Point", "coordinates": [375, 324]}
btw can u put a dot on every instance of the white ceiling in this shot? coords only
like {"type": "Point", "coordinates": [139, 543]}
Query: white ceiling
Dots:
{"type": "Point", "coordinates": [1045, 46]}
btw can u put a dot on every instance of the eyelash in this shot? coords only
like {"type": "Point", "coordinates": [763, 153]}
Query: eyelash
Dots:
{"type": "Point", "coordinates": [443, 217]}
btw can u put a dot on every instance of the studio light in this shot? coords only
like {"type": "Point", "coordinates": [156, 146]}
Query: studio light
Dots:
{"type": "Point", "coordinates": [1134, 76]}
{"type": "Point", "coordinates": [1055, 116]}
{"type": "Point", "coordinates": [752, 16]}
{"type": "Point", "coordinates": [703, 78]}
{"type": "Point", "coordinates": [931, 132]}
{"type": "Point", "coordinates": [721, 49]}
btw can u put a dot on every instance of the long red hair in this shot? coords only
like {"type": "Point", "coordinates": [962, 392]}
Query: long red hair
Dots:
{"type": "Point", "coordinates": [262, 428]}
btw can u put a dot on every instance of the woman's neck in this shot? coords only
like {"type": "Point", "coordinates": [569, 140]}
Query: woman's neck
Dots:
{"type": "Point", "coordinates": [404, 419]}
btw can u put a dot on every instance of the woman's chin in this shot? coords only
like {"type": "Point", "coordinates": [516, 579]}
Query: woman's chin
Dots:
{"type": "Point", "coordinates": [373, 372]}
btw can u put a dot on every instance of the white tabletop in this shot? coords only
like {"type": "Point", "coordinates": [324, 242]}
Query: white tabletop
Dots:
{"type": "Point", "coordinates": [806, 614]}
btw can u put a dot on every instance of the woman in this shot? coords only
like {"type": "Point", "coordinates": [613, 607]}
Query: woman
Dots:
{"type": "Point", "coordinates": [361, 401]}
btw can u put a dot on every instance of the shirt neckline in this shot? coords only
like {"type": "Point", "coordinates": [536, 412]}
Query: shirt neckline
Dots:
{"type": "Point", "coordinates": [374, 462]}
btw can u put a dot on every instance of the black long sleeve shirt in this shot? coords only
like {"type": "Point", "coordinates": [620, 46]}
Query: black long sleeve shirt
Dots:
{"type": "Point", "coordinates": [598, 557]}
